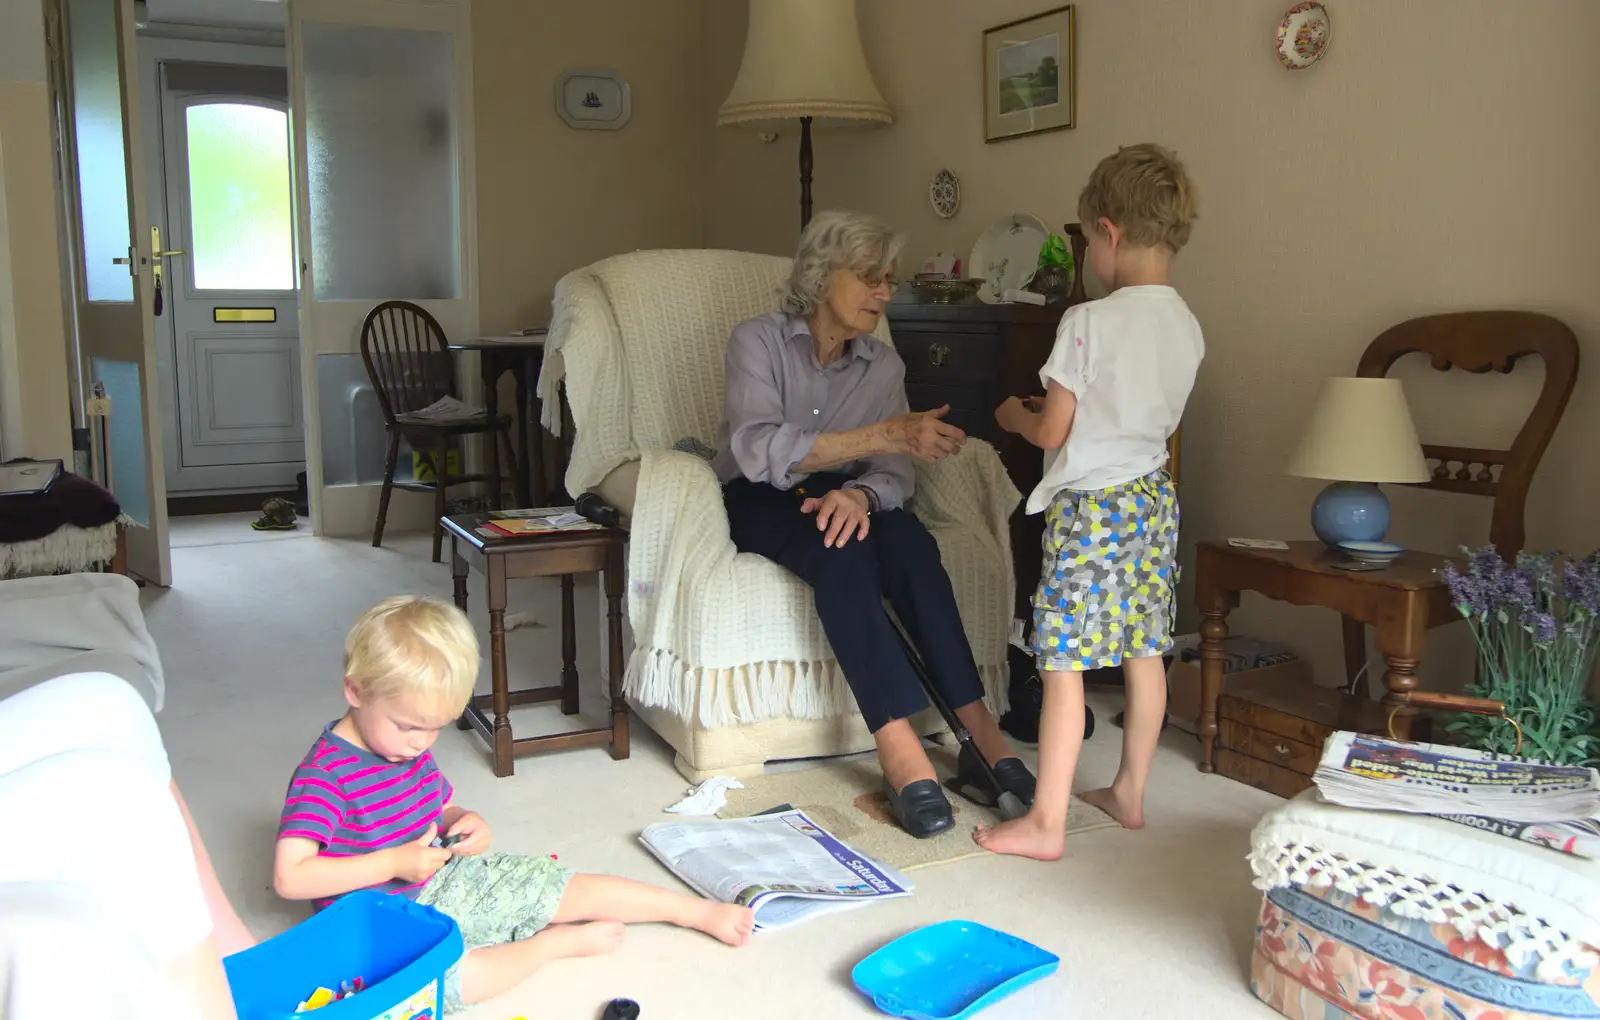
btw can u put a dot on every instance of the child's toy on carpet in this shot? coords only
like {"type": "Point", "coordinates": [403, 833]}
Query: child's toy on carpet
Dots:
{"type": "Point", "coordinates": [401, 948]}
{"type": "Point", "coordinates": [950, 970]}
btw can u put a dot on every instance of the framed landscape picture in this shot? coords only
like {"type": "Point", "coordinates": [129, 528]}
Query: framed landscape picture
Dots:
{"type": "Point", "coordinates": [1028, 76]}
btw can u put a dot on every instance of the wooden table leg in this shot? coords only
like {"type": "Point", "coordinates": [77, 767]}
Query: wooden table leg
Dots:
{"type": "Point", "coordinates": [1214, 608]}
{"type": "Point", "coordinates": [458, 577]}
{"type": "Point", "coordinates": [1402, 655]}
{"type": "Point", "coordinates": [504, 765]}
{"type": "Point", "coordinates": [612, 576]}
{"type": "Point", "coordinates": [524, 381]}
{"type": "Point", "coordinates": [569, 649]}
{"type": "Point", "coordinates": [489, 365]}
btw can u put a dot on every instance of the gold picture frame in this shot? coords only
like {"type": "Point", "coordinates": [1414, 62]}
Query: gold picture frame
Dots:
{"type": "Point", "coordinates": [1030, 75]}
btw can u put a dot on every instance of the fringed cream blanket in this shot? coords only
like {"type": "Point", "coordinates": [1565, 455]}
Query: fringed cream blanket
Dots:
{"type": "Point", "coordinates": [721, 638]}
{"type": "Point", "coordinates": [1536, 904]}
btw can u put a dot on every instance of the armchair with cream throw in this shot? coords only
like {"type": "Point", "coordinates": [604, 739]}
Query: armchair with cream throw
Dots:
{"type": "Point", "coordinates": [729, 663]}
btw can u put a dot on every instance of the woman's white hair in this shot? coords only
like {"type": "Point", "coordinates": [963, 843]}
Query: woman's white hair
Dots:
{"type": "Point", "coordinates": [836, 239]}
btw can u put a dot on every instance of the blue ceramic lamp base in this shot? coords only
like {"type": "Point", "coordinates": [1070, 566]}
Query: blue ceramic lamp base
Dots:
{"type": "Point", "coordinates": [1350, 512]}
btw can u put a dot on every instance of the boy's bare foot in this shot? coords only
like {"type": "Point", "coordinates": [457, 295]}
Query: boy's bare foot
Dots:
{"type": "Point", "coordinates": [728, 922]}
{"type": "Point", "coordinates": [592, 938]}
{"type": "Point", "coordinates": [1127, 809]}
{"type": "Point", "coordinates": [1027, 836]}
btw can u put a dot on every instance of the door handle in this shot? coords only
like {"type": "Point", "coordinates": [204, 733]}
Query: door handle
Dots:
{"type": "Point", "coordinates": [175, 251]}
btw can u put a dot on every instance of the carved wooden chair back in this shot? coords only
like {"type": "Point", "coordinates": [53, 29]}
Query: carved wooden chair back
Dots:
{"type": "Point", "coordinates": [1481, 342]}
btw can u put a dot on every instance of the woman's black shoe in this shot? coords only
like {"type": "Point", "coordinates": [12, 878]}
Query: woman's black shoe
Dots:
{"type": "Point", "coordinates": [973, 784]}
{"type": "Point", "coordinates": [920, 808]}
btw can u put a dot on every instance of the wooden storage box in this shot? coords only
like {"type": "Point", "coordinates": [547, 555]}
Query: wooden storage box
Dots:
{"type": "Point", "coordinates": [1270, 733]}
{"type": "Point", "coordinates": [1183, 684]}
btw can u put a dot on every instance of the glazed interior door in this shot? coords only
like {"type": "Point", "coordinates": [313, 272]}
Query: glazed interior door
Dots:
{"type": "Point", "coordinates": [115, 260]}
{"type": "Point", "coordinates": [235, 420]}
{"type": "Point", "coordinates": [381, 112]}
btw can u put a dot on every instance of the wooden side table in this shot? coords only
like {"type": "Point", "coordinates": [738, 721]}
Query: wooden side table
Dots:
{"type": "Point", "coordinates": [1403, 602]}
{"type": "Point", "coordinates": [557, 554]}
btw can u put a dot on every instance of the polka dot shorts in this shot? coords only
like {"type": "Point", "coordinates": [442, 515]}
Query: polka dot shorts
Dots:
{"type": "Point", "coordinates": [1110, 575]}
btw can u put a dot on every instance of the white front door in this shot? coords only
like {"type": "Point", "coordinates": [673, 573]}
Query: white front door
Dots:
{"type": "Point", "coordinates": [235, 418]}
{"type": "Point", "coordinates": [381, 113]}
{"type": "Point", "coordinates": [114, 256]}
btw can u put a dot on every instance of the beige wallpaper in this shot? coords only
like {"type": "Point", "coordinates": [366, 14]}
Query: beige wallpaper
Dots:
{"type": "Point", "coordinates": [552, 199]}
{"type": "Point", "coordinates": [1443, 156]}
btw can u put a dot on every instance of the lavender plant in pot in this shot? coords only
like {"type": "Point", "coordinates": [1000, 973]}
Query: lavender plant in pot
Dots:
{"type": "Point", "coordinates": [1537, 627]}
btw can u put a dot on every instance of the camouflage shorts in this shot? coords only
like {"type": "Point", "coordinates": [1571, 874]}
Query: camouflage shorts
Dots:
{"type": "Point", "coordinates": [1110, 575]}
{"type": "Point", "coordinates": [494, 898]}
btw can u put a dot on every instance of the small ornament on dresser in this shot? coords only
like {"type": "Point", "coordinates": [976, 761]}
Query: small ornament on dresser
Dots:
{"type": "Point", "coordinates": [1053, 276]}
{"type": "Point", "coordinates": [944, 191]}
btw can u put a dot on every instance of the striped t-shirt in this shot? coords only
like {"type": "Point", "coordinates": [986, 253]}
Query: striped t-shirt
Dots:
{"type": "Point", "coordinates": [349, 802]}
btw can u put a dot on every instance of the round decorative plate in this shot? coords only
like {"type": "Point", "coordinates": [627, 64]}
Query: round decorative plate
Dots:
{"type": "Point", "coordinates": [1303, 35]}
{"type": "Point", "coordinates": [1007, 254]}
{"type": "Point", "coordinates": [1371, 552]}
{"type": "Point", "coordinates": [944, 191]}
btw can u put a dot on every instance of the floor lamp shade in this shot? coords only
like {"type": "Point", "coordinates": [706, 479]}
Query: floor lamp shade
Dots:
{"type": "Point", "coordinates": [803, 60]}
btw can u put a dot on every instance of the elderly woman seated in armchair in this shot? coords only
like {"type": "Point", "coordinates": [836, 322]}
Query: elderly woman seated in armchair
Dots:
{"type": "Point", "coordinates": [814, 454]}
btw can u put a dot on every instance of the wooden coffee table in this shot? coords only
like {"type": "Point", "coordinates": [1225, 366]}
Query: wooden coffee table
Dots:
{"type": "Point", "coordinates": [555, 554]}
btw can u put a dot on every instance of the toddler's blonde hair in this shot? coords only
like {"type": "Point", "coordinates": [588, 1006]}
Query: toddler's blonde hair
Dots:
{"type": "Point", "coordinates": [415, 646]}
{"type": "Point", "coordinates": [1145, 190]}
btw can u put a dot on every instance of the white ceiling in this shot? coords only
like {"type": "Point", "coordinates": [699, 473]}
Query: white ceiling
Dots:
{"type": "Point", "coordinates": [224, 13]}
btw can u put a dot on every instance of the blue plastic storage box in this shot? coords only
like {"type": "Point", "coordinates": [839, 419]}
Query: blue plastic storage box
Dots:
{"type": "Point", "coordinates": [399, 948]}
{"type": "Point", "coordinates": [950, 970]}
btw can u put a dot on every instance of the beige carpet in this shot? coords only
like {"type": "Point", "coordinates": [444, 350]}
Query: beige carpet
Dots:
{"type": "Point", "coordinates": [844, 798]}
{"type": "Point", "coordinates": [1150, 925]}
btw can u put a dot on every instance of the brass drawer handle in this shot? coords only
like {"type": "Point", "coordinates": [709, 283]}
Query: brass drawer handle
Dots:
{"type": "Point", "coordinates": [939, 354]}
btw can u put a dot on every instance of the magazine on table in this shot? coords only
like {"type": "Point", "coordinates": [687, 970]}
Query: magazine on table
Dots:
{"type": "Point", "coordinates": [539, 521]}
{"type": "Point", "coordinates": [1364, 771]}
{"type": "Point", "coordinates": [783, 866]}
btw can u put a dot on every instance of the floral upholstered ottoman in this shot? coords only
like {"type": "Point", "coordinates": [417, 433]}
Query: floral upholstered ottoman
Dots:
{"type": "Point", "coordinates": [1380, 915]}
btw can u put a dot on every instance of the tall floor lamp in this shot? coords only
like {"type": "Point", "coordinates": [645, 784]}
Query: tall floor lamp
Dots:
{"type": "Point", "coordinates": [803, 59]}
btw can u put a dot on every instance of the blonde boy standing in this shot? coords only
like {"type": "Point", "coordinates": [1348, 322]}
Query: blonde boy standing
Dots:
{"type": "Point", "coordinates": [1116, 384]}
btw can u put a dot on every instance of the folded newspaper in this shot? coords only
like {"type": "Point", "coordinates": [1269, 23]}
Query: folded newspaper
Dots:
{"type": "Point", "coordinates": [1557, 806]}
{"type": "Point", "coordinates": [783, 866]}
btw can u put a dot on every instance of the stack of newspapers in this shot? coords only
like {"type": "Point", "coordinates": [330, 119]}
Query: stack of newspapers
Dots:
{"type": "Point", "coordinates": [1555, 806]}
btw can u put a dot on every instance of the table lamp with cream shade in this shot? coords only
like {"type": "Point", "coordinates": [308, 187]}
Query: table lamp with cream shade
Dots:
{"type": "Point", "coordinates": [1360, 435]}
{"type": "Point", "coordinates": [803, 59]}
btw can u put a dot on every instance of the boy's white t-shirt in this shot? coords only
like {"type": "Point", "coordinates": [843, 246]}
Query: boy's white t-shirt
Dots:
{"type": "Point", "coordinates": [1130, 358]}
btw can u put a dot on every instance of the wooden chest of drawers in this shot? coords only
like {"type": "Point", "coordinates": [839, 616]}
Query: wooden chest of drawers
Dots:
{"type": "Point", "coordinates": [972, 357]}
{"type": "Point", "coordinates": [1270, 734]}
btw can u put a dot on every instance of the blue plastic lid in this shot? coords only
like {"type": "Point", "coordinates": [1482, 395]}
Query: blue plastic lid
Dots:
{"type": "Point", "coordinates": [950, 970]}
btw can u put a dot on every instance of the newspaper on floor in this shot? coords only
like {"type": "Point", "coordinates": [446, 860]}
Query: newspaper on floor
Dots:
{"type": "Point", "coordinates": [783, 866]}
{"type": "Point", "coordinates": [1391, 775]}
{"type": "Point", "coordinates": [1579, 837]}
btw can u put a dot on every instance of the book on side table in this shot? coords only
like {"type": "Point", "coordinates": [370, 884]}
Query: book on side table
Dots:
{"type": "Point", "coordinates": [538, 521]}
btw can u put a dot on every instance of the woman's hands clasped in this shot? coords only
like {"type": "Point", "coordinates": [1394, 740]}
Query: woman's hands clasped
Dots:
{"type": "Point", "coordinates": [924, 435]}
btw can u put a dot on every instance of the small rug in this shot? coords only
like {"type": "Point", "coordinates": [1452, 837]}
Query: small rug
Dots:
{"type": "Point", "coordinates": [844, 798]}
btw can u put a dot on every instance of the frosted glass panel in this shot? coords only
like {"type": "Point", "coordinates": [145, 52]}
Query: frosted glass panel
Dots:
{"type": "Point", "coordinates": [381, 153]}
{"type": "Point", "coordinates": [239, 197]}
{"type": "Point", "coordinates": [97, 134]}
{"type": "Point", "coordinates": [127, 454]}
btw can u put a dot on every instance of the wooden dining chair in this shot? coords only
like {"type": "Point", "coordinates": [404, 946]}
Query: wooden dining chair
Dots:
{"type": "Point", "coordinates": [409, 362]}
{"type": "Point", "coordinates": [1480, 342]}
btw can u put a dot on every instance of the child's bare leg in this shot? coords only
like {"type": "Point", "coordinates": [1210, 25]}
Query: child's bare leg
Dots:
{"type": "Point", "coordinates": [1042, 832]}
{"type": "Point", "coordinates": [1146, 682]}
{"type": "Point", "coordinates": [227, 929]}
{"type": "Point", "coordinates": [606, 898]}
{"type": "Point", "coordinates": [494, 970]}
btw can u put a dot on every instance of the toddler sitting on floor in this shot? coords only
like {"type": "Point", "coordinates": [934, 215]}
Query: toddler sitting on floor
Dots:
{"type": "Point", "coordinates": [368, 803]}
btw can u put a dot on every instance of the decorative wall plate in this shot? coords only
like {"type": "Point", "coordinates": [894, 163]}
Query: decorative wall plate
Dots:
{"type": "Point", "coordinates": [594, 99]}
{"type": "Point", "coordinates": [944, 191]}
{"type": "Point", "coordinates": [1007, 254]}
{"type": "Point", "coordinates": [1303, 35]}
